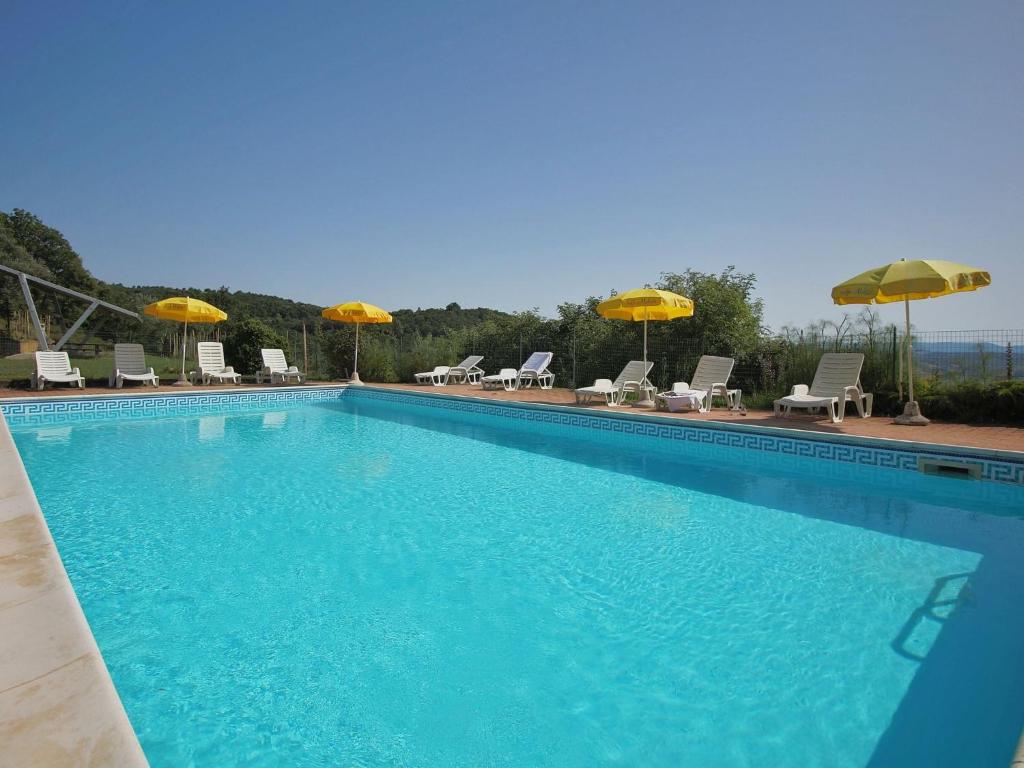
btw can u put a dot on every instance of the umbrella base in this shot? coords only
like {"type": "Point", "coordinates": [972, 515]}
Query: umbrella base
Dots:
{"type": "Point", "coordinates": [355, 380]}
{"type": "Point", "coordinates": [182, 382]}
{"type": "Point", "coordinates": [644, 403]}
{"type": "Point", "coordinates": [911, 416]}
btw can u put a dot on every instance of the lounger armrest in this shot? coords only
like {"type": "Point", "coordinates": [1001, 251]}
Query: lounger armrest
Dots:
{"type": "Point", "coordinates": [151, 371]}
{"type": "Point", "coordinates": [799, 389]}
{"type": "Point", "coordinates": [77, 372]}
{"type": "Point", "coordinates": [228, 369]}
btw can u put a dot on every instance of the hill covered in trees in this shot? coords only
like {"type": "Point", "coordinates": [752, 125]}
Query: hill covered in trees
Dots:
{"type": "Point", "coordinates": [31, 246]}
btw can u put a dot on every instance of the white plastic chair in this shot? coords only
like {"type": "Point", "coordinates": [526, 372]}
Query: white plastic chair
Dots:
{"type": "Point", "coordinates": [506, 378]}
{"type": "Point", "coordinates": [632, 379]}
{"type": "Point", "coordinates": [468, 371]}
{"type": "Point", "coordinates": [836, 383]}
{"type": "Point", "coordinates": [276, 368]}
{"type": "Point", "coordinates": [55, 368]}
{"type": "Point", "coordinates": [535, 369]}
{"type": "Point", "coordinates": [130, 365]}
{"type": "Point", "coordinates": [438, 377]}
{"type": "Point", "coordinates": [211, 364]}
{"type": "Point", "coordinates": [711, 379]}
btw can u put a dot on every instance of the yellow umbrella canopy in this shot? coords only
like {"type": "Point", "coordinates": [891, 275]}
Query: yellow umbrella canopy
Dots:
{"type": "Point", "coordinates": [358, 312]}
{"type": "Point", "coordinates": [184, 309]}
{"type": "Point", "coordinates": [641, 305]}
{"type": "Point", "coordinates": [907, 281]}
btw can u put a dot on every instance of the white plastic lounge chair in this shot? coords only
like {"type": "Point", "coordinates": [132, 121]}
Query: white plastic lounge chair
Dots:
{"type": "Point", "coordinates": [438, 377]}
{"type": "Point", "coordinates": [211, 364]}
{"type": "Point", "coordinates": [506, 378]}
{"type": "Point", "coordinates": [711, 379]}
{"type": "Point", "coordinates": [536, 369]}
{"type": "Point", "coordinates": [468, 371]}
{"type": "Point", "coordinates": [836, 383]}
{"type": "Point", "coordinates": [632, 378]}
{"type": "Point", "coordinates": [55, 368]}
{"type": "Point", "coordinates": [276, 368]}
{"type": "Point", "coordinates": [130, 365]}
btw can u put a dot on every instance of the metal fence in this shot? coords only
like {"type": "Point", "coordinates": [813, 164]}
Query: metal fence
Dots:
{"type": "Point", "coordinates": [768, 365]}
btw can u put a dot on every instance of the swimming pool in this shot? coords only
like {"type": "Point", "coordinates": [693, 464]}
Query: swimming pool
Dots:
{"type": "Point", "coordinates": [359, 582]}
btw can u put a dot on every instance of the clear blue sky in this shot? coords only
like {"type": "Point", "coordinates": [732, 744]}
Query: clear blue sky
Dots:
{"type": "Point", "coordinates": [519, 154]}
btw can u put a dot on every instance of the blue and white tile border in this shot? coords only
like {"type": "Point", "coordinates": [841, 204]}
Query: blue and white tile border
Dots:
{"type": "Point", "coordinates": [996, 466]}
{"type": "Point", "coordinates": [33, 411]}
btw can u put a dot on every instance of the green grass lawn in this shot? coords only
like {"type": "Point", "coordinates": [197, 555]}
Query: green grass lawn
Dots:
{"type": "Point", "coordinates": [16, 371]}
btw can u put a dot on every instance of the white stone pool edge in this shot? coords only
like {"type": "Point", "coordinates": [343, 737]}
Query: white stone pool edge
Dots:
{"type": "Point", "coordinates": [58, 704]}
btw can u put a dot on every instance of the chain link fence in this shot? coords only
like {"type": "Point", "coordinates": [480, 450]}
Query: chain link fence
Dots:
{"type": "Point", "coordinates": [768, 365]}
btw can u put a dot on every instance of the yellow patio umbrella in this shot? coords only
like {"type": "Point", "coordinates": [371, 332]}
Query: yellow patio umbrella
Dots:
{"type": "Point", "coordinates": [357, 312]}
{"type": "Point", "coordinates": [641, 305]}
{"type": "Point", "coordinates": [185, 310]}
{"type": "Point", "coordinates": [905, 281]}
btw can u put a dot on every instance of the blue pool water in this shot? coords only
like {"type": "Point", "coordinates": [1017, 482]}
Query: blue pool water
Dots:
{"type": "Point", "coordinates": [365, 584]}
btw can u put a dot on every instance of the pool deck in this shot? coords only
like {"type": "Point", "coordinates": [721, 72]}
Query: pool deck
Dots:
{"type": "Point", "coordinates": [998, 438]}
{"type": "Point", "coordinates": [58, 705]}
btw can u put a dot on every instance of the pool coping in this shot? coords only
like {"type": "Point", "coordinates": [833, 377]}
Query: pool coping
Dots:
{"type": "Point", "coordinates": [58, 704]}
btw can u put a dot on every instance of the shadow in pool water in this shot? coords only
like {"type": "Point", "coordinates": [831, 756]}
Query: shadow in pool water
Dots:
{"type": "Point", "coordinates": [964, 705]}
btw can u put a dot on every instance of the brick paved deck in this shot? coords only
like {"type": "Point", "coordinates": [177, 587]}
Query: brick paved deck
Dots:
{"type": "Point", "coordinates": [1003, 438]}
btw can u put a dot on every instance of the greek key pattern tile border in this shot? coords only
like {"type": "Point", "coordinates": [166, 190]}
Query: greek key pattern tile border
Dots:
{"type": "Point", "coordinates": [996, 470]}
{"type": "Point", "coordinates": [30, 411]}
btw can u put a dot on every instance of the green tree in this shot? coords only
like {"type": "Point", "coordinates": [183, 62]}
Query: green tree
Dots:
{"type": "Point", "coordinates": [243, 343]}
{"type": "Point", "coordinates": [50, 248]}
{"type": "Point", "coordinates": [727, 317]}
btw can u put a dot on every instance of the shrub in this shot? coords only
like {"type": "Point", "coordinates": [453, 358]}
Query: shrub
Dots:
{"type": "Point", "coordinates": [1000, 402]}
{"type": "Point", "coordinates": [243, 343]}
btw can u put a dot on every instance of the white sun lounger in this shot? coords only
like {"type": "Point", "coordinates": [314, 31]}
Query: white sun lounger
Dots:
{"type": "Point", "coordinates": [536, 369]}
{"type": "Point", "coordinates": [438, 377]}
{"type": "Point", "coordinates": [130, 365]}
{"type": "Point", "coordinates": [506, 378]}
{"type": "Point", "coordinates": [836, 383]}
{"type": "Point", "coordinates": [55, 368]}
{"type": "Point", "coordinates": [211, 364]}
{"type": "Point", "coordinates": [711, 379]}
{"type": "Point", "coordinates": [468, 371]}
{"type": "Point", "coordinates": [632, 379]}
{"type": "Point", "coordinates": [276, 368]}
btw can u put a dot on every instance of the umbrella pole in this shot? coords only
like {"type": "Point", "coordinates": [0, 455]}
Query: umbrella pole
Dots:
{"type": "Point", "coordinates": [182, 381]}
{"type": "Point", "coordinates": [911, 415]}
{"type": "Point", "coordinates": [644, 396]}
{"type": "Point", "coordinates": [355, 363]}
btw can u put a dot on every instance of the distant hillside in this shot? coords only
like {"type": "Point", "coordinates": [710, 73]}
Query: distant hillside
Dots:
{"type": "Point", "coordinates": [29, 245]}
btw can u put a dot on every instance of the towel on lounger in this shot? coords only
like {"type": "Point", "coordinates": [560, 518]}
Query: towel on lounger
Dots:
{"type": "Point", "coordinates": [689, 399]}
